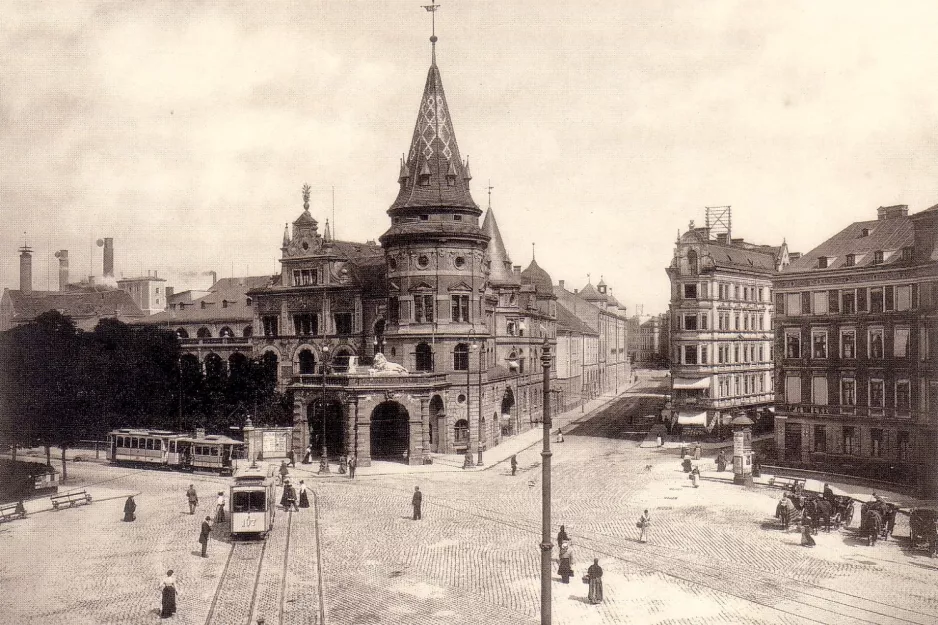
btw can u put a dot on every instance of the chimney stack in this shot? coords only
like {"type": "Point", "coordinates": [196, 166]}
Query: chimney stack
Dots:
{"type": "Point", "coordinates": [26, 269]}
{"type": "Point", "coordinates": [62, 255]}
{"type": "Point", "coordinates": [108, 257]}
{"type": "Point", "coordinates": [561, 284]}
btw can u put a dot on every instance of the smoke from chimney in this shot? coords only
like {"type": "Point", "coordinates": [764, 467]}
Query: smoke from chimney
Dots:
{"type": "Point", "coordinates": [62, 255]}
{"type": "Point", "coordinates": [26, 269]}
{"type": "Point", "coordinates": [108, 257]}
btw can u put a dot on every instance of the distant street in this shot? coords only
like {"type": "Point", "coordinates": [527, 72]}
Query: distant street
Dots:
{"type": "Point", "coordinates": [631, 414]}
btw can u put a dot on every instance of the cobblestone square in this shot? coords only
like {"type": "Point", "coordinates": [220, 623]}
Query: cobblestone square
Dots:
{"type": "Point", "coordinates": [714, 555]}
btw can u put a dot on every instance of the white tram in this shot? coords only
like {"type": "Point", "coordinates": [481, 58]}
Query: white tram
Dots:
{"type": "Point", "coordinates": [173, 450]}
{"type": "Point", "coordinates": [253, 498]}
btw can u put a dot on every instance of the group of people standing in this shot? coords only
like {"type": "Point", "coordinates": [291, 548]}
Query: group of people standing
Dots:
{"type": "Point", "coordinates": [294, 498]}
{"type": "Point", "coordinates": [594, 574]}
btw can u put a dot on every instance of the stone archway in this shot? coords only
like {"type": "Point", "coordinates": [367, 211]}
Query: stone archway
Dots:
{"type": "Point", "coordinates": [335, 428]}
{"type": "Point", "coordinates": [507, 420]}
{"type": "Point", "coordinates": [390, 432]}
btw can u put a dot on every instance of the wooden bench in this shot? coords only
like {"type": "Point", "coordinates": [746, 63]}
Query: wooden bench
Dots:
{"type": "Point", "coordinates": [11, 511]}
{"type": "Point", "coordinates": [71, 499]}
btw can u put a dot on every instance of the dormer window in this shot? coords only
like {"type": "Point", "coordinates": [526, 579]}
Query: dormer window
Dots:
{"type": "Point", "coordinates": [851, 260]}
{"type": "Point", "coordinates": [203, 305]}
{"type": "Point", "coordinates": [451, 175]}
{"type": "Point", "coordinates": [457, 217]}
{"type": "Point", "coordinates": [907, 253]}
{"type": "Point", "coordinates": [822, 262]}
{"type": "Point", "coordinates": [249, 301]}
{"type": "Point", "coordinates": [878, 257]}
{"type": "Point", "coordinates": [865, 232]}
{"type": "Point", "coordinates": [424, 178]}
{"type": "Point", "coordinates": [425, 218]}
{"type": "Point", "coordinates": [224, 303]}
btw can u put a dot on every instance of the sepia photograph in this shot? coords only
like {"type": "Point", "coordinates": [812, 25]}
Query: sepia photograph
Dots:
{"type": "Point", "coordinates": [374, 312]}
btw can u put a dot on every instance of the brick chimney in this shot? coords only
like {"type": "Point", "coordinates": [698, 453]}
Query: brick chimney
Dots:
{"type": "Point", "coordinates": [26, 269]}
{"type": "Point", "coordinates": [561, 284]}
{"type": "Point", "coordinates": [892, 212]}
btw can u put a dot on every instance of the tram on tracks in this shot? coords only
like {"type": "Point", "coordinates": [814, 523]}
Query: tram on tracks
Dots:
{"type": "Point", "coordinates": [253, 499]}
{"type": "Point", "coordinates": [172, 450]}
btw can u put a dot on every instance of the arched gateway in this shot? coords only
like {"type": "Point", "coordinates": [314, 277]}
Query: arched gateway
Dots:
{"type": "Point", "coordinates": [390, 432]}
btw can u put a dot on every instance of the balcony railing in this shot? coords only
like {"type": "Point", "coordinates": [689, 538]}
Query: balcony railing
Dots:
{"type": "Point", "coordinates": [864, 412]}
{"type": "Point", "coordinates": [228, 340]}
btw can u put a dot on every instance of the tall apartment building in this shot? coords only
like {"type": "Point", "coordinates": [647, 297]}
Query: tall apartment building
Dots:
{"type": "Point", "coordinates": [721, 326]}
{"type": "Point", "coordinates": [857, 340]}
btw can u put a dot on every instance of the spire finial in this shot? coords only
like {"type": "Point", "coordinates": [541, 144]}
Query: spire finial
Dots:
{"type": "Point", "coordinates": [532, 252]}
{"type": "Point", "coordinates": [490, 193]}
{"type": "Point", "coordinates": [431, 8]}
{"type": "Point", "coordinates": [589, 279]}
{"type": "Point", "coordinates": [306, 190]}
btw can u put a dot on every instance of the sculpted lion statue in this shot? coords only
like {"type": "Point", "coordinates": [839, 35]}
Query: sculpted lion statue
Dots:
{"type": "Point", "coordinates": [383, 366]}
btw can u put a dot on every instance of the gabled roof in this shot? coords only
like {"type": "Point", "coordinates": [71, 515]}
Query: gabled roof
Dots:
{"type": "Point", "coordinates": [500, 272]}
{"type": "Point", "coordinates": [568, 322]}
{"type": "Point", "coordinates": [583, 310]}
{"type": "Point", "coordinates": [225, 301]}
{"type": "Point", "coordinates": [590, 294]}
{"type": "Point", "coordinates": [433, 151]}
{"type": "Point", "coordinates": [732, 255]}
{"type": "Point", "coordinates": [883, 235]}
{"type": "Point", "coordinates": [77, 304]}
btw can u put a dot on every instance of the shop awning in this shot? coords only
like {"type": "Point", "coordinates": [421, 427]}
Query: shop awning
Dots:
{"type": "Point", "coordinates": [692, 383]}
{"type": "Point", "coordinates": [692, 418]}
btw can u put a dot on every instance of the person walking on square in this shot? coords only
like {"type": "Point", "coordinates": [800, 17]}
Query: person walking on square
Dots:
{"type": "Point", "coordinates": [168, 595]}
{"type": "Point", "coordinates": [559, 436]}
{"type": "Point", "coordinates": [307, 457]}
{"type": "Point", "coordinates": [695, 475]}
{"type": "Point", "coordinates": [284, 471]}
{"type": "Point", "coordinates": [203, 535]}
{"type": "Point", "coordinates": [289, 493]}
{"type": "Point", "coordinates": [304, 496]}
{"type": "Point", "coordinates": [514, 464]}
{"type": "Point", "coordinates": [565, 570]}
{"type": "Point", "coordinates": [467, 460]}
{"type": "Point", "coordinates": [562, 537]}
{"type": "Point", "coordinates": [352, 463]}
{"type": "Point", "coordinates": [130, 509]}
{"type": "Point", "coordinates": [220, 508]}
{"type": "Point", "coordinates": [193, 499]}
{"type": "Point", "coordinates": [342, 464]}
{"type": "Point", "coordinates": [417, 501]}
{"type": "Point", "coordinates": [291, 456]}
{"type": "Point", "coordinates": [594, 576]}
{"type": "Point", "coordinates": [721, 461]}
{"type": "Point", "coordinates": [643, 523]}
{"type": "Point", "coordinates": [696, 451]}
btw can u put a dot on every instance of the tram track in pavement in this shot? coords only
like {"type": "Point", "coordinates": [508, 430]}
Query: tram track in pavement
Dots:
{"type": "Point", "coordinates": [776, 591]}
{"type": "Point", "coordinates": [250, 564]}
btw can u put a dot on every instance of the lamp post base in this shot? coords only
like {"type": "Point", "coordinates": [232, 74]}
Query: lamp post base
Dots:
{"type": "Point", "coordinates": [324, 462]}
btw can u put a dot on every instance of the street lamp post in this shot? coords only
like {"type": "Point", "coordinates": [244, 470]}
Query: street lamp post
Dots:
{"type": "Point", "coordinates": [479, 446]}
{"type": "Point", "coordinates": [546, 542]}
{"type": "Point", "coordinates": [469, 346]}
{"type": "Point", "coordinates": [324, 458]}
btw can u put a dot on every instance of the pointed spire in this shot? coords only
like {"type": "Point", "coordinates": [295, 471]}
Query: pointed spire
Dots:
{"type": "Point", "coordinates": [286, 235]}
{"type": "Point", "coordinates": [500, 272]}
{"type": "Point", "coordinates": [327, 233]}
{"type": "Point", "coordinates": [466, 175]}
{"type": "Point", "coordinates": [443, 178]}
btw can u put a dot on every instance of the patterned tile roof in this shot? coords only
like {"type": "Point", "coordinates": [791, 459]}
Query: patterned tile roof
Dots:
{"type": "Point", "coordinates": [433, 151]}
{"type": "Point", "coordinates": [225, 301]}
{"type": "Point", "coordinates": [538, 278]}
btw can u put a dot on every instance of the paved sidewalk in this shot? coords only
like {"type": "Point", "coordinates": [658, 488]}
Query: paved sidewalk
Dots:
{"type": "Point", "coordinates": [447, 463]}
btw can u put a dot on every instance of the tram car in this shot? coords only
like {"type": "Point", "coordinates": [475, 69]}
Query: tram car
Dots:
{"type": "Point", "coordinates": [253, 498]}
{"type": "Point", "coordinates": [172, 450]}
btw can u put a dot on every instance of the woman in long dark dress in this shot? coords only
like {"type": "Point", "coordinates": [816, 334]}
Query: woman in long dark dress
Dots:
{"type": "Point", "coordinates": [284, 497]}
{"type": "Point", "coordinates": [130, 509]}
{"type": "Point", "coordinates": [562, 537]}
{"type": "Point", "coordinates": [168, 586]}
{"type": "Point", "coordinates": [304, 497]}
{"type": "Point", "coordinates": [595, 575]}
{"type": "Point", "coordinates": [565, 570]}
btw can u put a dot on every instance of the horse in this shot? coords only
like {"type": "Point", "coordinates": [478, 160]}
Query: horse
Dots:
{"type": "Point", "coordinates": [871, 525]}
{"type": "Point", "coordinates": [820, 510]}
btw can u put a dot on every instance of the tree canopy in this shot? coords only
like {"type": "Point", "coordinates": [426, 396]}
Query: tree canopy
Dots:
{"type": "Point", "coordinates": [59, 384]}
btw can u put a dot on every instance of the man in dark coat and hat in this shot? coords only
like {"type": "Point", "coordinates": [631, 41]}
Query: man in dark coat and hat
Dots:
{"type": "Point", "coordinates": [417, 502]}
{"type": "Point", "coordinates": [203, 535]}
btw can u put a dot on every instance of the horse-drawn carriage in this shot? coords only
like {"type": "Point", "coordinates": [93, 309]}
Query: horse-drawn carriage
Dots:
{"type": "Point", "coordinates": [818, 510]}
{"type": "Point", "coordinates": [923, 531]}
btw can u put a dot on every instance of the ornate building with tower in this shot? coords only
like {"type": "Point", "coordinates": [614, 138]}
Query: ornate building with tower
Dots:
{"type": "Point", "coordinates": [427, 342]}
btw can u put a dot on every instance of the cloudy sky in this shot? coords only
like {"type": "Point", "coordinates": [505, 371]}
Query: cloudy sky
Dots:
{"type": "Point", "coordinates": [185, 130]}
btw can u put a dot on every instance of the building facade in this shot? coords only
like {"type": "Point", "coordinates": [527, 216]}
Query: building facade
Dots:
{"type": "Point", "coordinates": [430, 341]}
{"type": "Point", "coordinates": [857, 351]}
{"type": "Point", "coordinates": [721, 327]}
